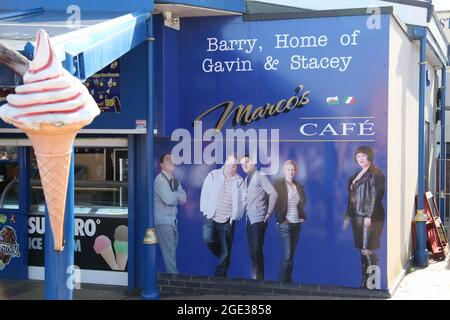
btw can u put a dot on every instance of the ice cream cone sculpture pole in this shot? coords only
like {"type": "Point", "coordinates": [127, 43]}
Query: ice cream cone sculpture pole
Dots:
{"type": "Point", "coordinates": [50, 107]}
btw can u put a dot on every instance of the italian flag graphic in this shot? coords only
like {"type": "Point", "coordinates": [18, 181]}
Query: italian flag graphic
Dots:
{"type": "Point", "coordinates": [333, 100]}
{"type": "Point", "coordinates": [349, 100]}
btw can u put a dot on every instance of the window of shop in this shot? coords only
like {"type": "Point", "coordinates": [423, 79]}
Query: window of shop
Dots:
{"type": "Point", "coordinates": [9, 178]}
{"type": "Point", "coordinates": [101, 183]}
{"type": "Point", "coordinates": [101, 212]}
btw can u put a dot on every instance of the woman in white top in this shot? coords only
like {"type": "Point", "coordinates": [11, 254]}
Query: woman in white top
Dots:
{"type": "Point", "coordinates": [290, 214]}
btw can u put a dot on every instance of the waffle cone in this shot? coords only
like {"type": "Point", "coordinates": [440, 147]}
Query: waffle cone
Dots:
{"type": "Point", "coordinates": [53, 154]}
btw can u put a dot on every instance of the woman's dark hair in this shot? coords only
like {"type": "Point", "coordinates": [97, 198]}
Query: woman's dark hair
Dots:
{"type": "Point", "coordinates": [366, 150]}
{"type": "Point", "coordinates": [161, 160]}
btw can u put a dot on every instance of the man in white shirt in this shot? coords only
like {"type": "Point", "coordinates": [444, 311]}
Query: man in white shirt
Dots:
{"type": "Point", "coordinates": [221, 202]}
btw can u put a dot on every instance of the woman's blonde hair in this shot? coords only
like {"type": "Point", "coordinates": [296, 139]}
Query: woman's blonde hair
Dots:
{"type": "Point", "coordinates": [290, 162]}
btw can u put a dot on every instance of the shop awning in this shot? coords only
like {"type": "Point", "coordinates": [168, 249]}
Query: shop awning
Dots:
{"type": "Point", "coordinates": [85, 45]}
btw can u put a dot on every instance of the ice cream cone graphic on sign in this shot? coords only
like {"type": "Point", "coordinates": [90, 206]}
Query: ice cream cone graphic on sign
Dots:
{"type": "Point", "coordinates": [121, 246]}
{"type": "Point", "coordinates": [50, 107]}
{"type": "Point", "coordinates": [103, 247]}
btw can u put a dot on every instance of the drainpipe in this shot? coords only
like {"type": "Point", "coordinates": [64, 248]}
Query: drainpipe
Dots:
{"type": "Point", "coordinates": [421, 252]}
{"type": "Point", "coordinates": [150, 289]}
{"type": "Point", "coordinates": [443, 145]}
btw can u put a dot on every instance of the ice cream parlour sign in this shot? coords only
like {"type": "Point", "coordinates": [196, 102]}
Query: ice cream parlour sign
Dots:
{"type": "Point", "coordinates": [100, 243]}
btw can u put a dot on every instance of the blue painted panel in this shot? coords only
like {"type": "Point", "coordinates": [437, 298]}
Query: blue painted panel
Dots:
{"type": "Point", "coordinates": [325, 253]}
{"type": "Point", "coordinates": [226, 5]}
{"type": "Point", "coordinates": [168, 74]}
{"type": "Point", "coordinates": [100, 5]}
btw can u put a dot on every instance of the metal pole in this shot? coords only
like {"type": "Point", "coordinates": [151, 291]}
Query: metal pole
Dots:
{"type": "Point", "coordinates": [421, 252]}
{"type": "Point", "coordinates": [150, 289]}
{"type": "Point", "coordinates": [59, 266]}
{"type": "Point", "coordinates": [443, 152]}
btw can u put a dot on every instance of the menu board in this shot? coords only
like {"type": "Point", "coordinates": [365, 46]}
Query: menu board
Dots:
{"type": "Point", "coordinates": [104, 86]}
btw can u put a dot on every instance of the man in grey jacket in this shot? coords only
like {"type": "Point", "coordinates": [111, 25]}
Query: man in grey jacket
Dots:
{"type": "Point", "coordinates": [260, 198]}
{"type": "Point", "coordinates": [167, 196]}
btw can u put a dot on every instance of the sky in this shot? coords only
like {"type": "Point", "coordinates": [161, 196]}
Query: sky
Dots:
{"type": "Point", "coordinates": [440, 5]}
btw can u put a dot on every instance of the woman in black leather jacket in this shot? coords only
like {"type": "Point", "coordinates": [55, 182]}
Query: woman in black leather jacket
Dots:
{"type": "Point", "coordinates": [365, 208]}
{"type": "Point", "coordinates": [290, 214]}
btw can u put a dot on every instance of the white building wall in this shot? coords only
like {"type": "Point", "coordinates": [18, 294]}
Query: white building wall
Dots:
{"type": "Point", "coordinates": [402, 148]}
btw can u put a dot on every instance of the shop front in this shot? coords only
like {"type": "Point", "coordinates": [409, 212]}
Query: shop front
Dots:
{"type": "Point", "coordinates": [110, 50]}
{"type": "Point", "coordinates": [101, 212]}
{"type": "Point", "coordinates": [101, 207]}
{"type": "Point", "coordinates": [107, 155]}
{"type": "Point", "coordinates": [308, 91]}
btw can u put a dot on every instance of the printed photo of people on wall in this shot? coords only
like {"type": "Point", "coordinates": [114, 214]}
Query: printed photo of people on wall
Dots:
{"type": "Point", "coordinates": [365, 209]}
{"type": "Point", "coordinates": [221, 202]}
{"type": "Point", "coordinates": [240, 221]}
{"type": "Point", "coordinates": [290, 215]}
{"type": "Point", "coordinates": [260, 198]}
{"type": "Point", "coordinates": [169, 194]}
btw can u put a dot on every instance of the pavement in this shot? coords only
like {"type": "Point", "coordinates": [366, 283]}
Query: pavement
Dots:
{"type": "Point", "coordinates": [431, 283]}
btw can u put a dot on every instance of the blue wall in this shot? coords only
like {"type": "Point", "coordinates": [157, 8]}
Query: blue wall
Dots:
{"type": "Point", "coordinates": [326, 253]}
{"type": "Point", "coordinates": [168, 77]}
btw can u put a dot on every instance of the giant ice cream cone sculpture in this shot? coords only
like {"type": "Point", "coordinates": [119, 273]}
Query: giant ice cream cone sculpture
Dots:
{"type": "Point", "coordinates": [51, 107]}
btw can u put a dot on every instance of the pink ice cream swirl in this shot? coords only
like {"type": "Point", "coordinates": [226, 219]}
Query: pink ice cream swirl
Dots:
{"type": "Point", "coordinates": [50, 95]}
